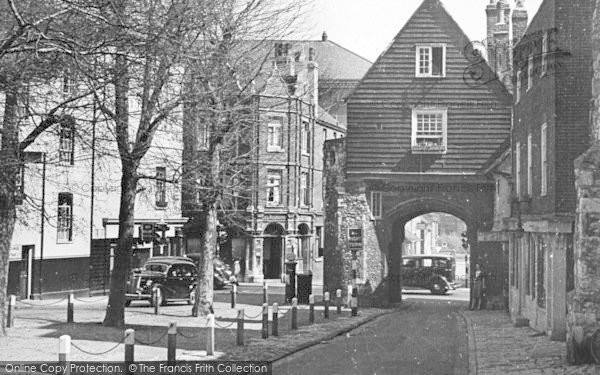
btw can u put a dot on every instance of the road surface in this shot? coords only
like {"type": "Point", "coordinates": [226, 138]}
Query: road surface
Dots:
{"type": "Point", "coordinates": [429, 338]}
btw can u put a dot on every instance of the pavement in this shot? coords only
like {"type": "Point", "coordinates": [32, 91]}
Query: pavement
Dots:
{"type": "Point", "coordinates": [497, 347]}
{"type": "Point", "coordinates": [39, 324]}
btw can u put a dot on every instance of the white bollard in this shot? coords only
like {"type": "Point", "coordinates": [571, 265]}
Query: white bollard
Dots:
{"type": "Point", "coordinates": [64, 352]}
{"type": "Point", "coordinates": [10, 318]}
{"type": "Point", "coordinates": [349, 297]}
{"type": "Point", "coordinates": [326, 305]}
{"type": "Point", "coordinates": [129, 345]}
{"type": "Point", "coordinates": [210, 338]}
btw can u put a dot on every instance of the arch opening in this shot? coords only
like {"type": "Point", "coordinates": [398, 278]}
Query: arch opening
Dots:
{"type": "Point", "coordinates": [273, 245]}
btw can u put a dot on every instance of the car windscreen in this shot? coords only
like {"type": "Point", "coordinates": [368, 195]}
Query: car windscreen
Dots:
{"type": "Point", "coordinates": [442, 263]}
{"type": "Point", "coordinates": [156, 267]}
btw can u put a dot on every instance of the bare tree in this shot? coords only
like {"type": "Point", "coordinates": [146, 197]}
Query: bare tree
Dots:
{"type": "Point", "coordinates": [222, 120]}
{"type": "Point", "coordinates": [33, 44]}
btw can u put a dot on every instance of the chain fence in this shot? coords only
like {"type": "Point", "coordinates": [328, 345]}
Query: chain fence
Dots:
{"type": "Point", "coordinates": [96, 353]}
{"type": "Point", "coordinates": [226, 326]}
{"type": "Point", "coordinates": [253, 317]}
{"type": "Point", "coordinates": [92, 301]}
{"type": "Point", "coordinates": [189, 337]}
{"type": "Point", "coordinates": [150, 343]}
{"type": "Point", "coordinates": [30, 304]}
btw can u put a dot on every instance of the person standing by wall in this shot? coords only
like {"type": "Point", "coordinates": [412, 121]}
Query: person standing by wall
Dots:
{"type": "Point", "coordinates": [479, 287]}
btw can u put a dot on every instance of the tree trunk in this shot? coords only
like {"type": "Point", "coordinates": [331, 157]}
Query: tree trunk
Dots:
{"type": "Point", "coordinates": [7, 224]}
{"type": "Point", "coordinates": [115, 311]}
{"type": "Point", "coordinates": [9, 157]}
{"type": "Point", "coordinates": [204, 288]}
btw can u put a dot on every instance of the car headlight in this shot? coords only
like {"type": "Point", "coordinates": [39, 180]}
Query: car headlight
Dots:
{"type": "Point", "coordinates": [148, 282]}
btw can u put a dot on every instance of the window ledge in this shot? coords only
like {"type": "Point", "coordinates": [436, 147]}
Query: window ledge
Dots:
{"type": "Point", "coordinates": [429, 76]}
{"type": "Point", "coordinates": [428, 149]}
{"type": "Point", "coordinates": [64, 242]}
{"type": "Point", "coordinates": [274, 149]}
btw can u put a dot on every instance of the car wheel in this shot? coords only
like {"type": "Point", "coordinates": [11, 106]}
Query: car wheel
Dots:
{"type": "Point", "coordinates": [437, 288]}
{"type": "Point", "coordinates": [192, 297]}
{"type": "Point", "coordinates": [127, 302]}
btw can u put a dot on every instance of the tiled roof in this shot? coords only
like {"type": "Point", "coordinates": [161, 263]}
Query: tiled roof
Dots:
{"type": "Point", "coordinates": [336, 62]}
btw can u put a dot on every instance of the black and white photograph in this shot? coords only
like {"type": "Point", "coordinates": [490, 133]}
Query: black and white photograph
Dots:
{"type": "Point", "coordinates": [290, 187]}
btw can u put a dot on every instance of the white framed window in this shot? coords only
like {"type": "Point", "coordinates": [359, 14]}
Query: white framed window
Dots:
{"type": "Point", "coordinates": [64, 223]}
{"type": "Point", "coordinates": [518, 169]}
{"type": "Point", "coordinates": [306, 138]}
{"type": "Point", "coordinates": [544, 54]}
{"type": "Point", "coordinates": [544, 160]}
{"type": "Point", "coordinates": [282, 49]}
{"type": "Point", "coordinates": [319, 241]}
{"type": "Point", "coordinates": [161, 187]}
{"type": "Point", "coordinates": [429, 131]}
{"type": "Point", "coordinates": [530, 72]}
{"type": "Point", "coordinates": [275, 134]}
{"type": "Point", "coordinates": [68, 82]}
{"type": "Point", "coordinates": [518, 87]}
{"type": "Point", "coordinates": [304, 189]}
{"type": "Point", "coordinates": [273, 187]}
{"type": "Point", "coordinates": [529, 165]}
{"type": "Point", "coordinates": [375, 203]}
{"type": "Point", "coordinates": [20, 184]}
{"type": "Point", "coordinates": [430, 60]}
{"type": "Point", "coordinates": [66, 139]}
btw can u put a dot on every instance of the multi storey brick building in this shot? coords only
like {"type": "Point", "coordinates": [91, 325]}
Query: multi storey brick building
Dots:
{"type": "Point", "coordinates": [282, 205]}
{"type": "Point", "coordinates": [552, 92]}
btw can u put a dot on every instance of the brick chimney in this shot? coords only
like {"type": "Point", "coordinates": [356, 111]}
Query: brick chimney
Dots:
{"type": "Point", "coordinates": [324, 37]}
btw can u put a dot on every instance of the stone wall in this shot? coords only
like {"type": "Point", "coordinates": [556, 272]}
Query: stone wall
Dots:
{"type": "Point", "coordinates": [344, 211]}
{"type": "Point", "coordinates": [584, 301]}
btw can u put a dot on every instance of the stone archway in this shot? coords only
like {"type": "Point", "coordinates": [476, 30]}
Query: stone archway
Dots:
{"type": "Point", "coordinates": [487, 254]}
{"type": "Point", "coordinates": [273, 248]}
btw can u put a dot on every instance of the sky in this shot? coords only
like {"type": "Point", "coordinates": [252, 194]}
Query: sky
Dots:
{"type": "Point", "coordinates": [367, 27]}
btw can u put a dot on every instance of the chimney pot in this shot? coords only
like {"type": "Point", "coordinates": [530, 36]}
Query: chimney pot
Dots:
{"type": "Point", "coordinates": [324, 36]}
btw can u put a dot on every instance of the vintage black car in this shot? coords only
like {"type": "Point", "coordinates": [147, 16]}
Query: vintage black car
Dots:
{"type": "Point", "coordinates": [433, 272]}
{"type": "Point", "coordinates": [221, 271]}
{"type": "Point", "coordinates": [173, 278]}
